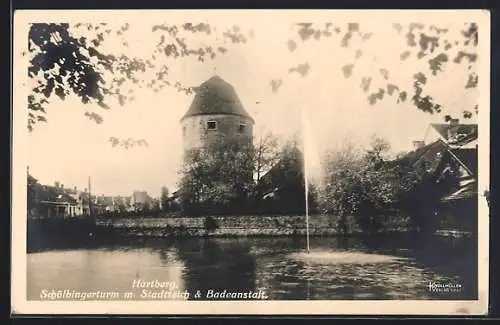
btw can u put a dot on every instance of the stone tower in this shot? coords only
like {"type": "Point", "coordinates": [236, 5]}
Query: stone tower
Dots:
{"type": "Point", "coordinates": [216, 114]}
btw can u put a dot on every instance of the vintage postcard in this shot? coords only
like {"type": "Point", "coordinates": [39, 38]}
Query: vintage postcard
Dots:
{"type": "Point", "coordinates": [230, 162]}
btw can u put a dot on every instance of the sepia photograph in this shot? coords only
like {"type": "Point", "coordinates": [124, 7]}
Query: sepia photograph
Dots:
{"type": "Point", "coordinates": [250, 162]}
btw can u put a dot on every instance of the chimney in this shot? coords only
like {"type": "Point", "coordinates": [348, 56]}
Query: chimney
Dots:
{"type": "Point", "coordinates": [453, 128]}
{"type": "Point", "coordinates": [417, 144]}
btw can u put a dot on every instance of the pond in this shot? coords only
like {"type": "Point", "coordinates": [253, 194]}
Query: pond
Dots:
{"type": "Point", "coordinates": [374, 268]}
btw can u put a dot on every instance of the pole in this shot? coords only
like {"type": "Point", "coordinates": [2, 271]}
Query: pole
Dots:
{"type": "Point", "coordinates": [307, 216]}
{"type": "Point", "coordinates": [306, 177]}
{"type": "Point", "coordinates": [90, 200]}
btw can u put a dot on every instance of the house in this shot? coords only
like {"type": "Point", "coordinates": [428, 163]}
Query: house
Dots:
{"type": "Point", "coordinates": [110, 204]}
{"type": "Point", "coordinates": [281, 190]}
{"type": "Point", "coordinates": [78, 197]}
{"type": "Point", "coordinates": [454, 142]}
{"type": "Point", "coordinates": [454, 133]}
{"type": "Point", "coordinates": [451, 152]}
{"type": "Point", "coordinates": [54, 202]}
{"type": "Point", "coordinates": [121, 203]}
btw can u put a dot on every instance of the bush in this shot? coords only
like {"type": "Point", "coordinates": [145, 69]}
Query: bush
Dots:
{"type": "Point", "coordinates": [210, 224]}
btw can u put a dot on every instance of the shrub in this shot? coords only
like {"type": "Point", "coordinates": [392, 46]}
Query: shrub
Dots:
{"type": "Point", "coordinates": [210, 224]}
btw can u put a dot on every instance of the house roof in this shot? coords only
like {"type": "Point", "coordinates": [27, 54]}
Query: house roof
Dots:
{"type": "Point", "coordinates": [288, 168]}
{"type": "Point", "coordinates": [216, 96]}
{"type": "Point", "coordinates": [430, 155]}
{"type": "Point", "coordinates": [54, 194]}
{"type": "Point", "coordinates": [468, 156]}
{"type": "Point", "coordinates": [465, 192]}
{"type": "Point", "coordinates": [467, 132]}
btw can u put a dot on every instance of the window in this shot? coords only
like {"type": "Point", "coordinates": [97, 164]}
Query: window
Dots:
{"type": "Point", "coordinates": [184, 131]}
{"type": "Point", "coordinates": [241, 128]}
{"type": "Point", "coordinates": [212, 125]}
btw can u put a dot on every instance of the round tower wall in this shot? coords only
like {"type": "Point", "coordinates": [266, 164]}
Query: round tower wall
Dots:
{"type": "Point", "coordinates": [199, 131]}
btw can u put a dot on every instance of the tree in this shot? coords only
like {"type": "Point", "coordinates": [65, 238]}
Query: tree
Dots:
{"type": "Point", "coordinates": [378, 148]}
{"type": "Point", "coordinates": [164, 199]}
{"type": "Point", "coordinates": [33, 188]}
{"type": "Point", "coordinates": [422, 201]}
{"type": "Point", "coordinates": [155, 207]}
{"type": "Point", "coordinates": [266, 154]}
{"type": "Point", "coordinates": [69, 60]}
{"type": "Point", "coordinates": [217, 178]}
{"type": "Point", "coordinates": [121, 204]}
{"type": "Point", "coordinates": [436, 44]}
{"type": "Point", "coordinates": [210, 224]}
{"type": "Point", "coordinates": [359, 186]}
{"type": "Point", "coordinates": [282, 189]}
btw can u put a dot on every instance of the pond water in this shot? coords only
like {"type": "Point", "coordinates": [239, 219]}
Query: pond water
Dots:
{"type": "Point", "coordinates": [381, 268]}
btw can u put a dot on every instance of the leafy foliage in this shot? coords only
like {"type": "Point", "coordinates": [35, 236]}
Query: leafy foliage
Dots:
{"type": "Point", "coordinates": [70, 60]}
{"type": "Point", "coordinates": [65, 61]}
{"type": "Point", "coordinates": [228, 177]}
{"type": "Point", "coordinates": [217, 178]}
{"type": "Point", "coordinates": [282, 189]}
{"type": "Point", "coordinates": [369, 185]}
{"type": "Point", "coordinates": [164, 198]}
{"type": "Point", "coordinates": [361, 185]}
{"type": "Point", "coordinates": [424, 42]}
{"type": "Point", "coordinates": [433, 183]}
{"type": "Point", "coordinates": [210, 224]}
{"type": "Point", "coordinates": [64, 64]}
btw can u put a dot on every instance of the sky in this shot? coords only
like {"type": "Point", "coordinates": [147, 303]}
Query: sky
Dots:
{"type": "Point", "coordinates": [70, 148]}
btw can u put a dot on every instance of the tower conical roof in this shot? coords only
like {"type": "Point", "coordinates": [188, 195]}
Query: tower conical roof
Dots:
{"type": "Point", "coordinates": [216, 96]}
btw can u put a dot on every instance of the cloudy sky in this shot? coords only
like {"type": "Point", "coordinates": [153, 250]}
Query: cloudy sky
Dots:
{"type": "Point", "coordinates": [69, 148]}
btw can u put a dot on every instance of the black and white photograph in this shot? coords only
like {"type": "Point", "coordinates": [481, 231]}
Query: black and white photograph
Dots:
{"type": "Point", "coordinates": [250, 162]}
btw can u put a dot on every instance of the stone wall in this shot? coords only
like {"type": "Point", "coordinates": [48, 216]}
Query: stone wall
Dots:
{"type": "Point", "coordinates": [237, 225]}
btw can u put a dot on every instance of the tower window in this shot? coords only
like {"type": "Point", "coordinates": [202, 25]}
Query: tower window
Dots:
{"type": "Point", "coordinates": [212, 125]}
{"type": "Point", "coordinates": [241, 128]}
{"type": "Point", "coordinates": [184, 131]}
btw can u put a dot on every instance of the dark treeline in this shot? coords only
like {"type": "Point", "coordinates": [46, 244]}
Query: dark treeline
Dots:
{"type": "Point", "coordinates": [366, 185]}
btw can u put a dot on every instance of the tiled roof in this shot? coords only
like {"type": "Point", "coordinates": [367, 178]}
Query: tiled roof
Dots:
{"type": "Point", "coordinates": [216, 96]}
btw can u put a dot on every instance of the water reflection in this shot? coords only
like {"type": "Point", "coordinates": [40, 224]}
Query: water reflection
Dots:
{"type": "Point", "coordinates": [217, 265]}
{"type": "Point", "coordinates": [244, 264]}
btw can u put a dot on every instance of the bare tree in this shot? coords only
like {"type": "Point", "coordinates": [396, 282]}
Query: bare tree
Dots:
{"type": "Point", "coordinates": [266, 153]}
